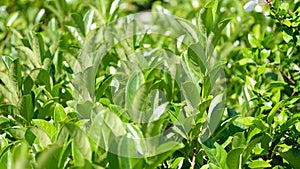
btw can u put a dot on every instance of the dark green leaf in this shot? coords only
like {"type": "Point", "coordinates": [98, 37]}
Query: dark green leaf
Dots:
{"type": "Point", "coordinates": [77, 18]}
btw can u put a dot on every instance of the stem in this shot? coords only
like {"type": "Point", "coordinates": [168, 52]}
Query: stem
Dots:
{"type": "Point", "coordinates": [285, 75]}
{"type": "Point", "coordinates": [194, 158]}
{"type": "Point", "coordinates": [193, 163]}
{"type": "Point", "coordinates": [5, 42]}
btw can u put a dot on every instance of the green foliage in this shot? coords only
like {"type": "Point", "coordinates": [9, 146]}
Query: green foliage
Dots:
{"type": "Point", "coordinates": [41, 126]}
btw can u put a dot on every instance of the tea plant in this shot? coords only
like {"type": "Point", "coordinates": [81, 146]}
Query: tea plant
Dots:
{"type": "Point", "coordinates": [53, 103]}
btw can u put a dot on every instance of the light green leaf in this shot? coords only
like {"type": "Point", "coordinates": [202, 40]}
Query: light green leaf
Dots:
{"type": "Point", "coordinates": [59, 114]}
{"type": "Point", "coordinates": [264, 54]}
{"type": "Point", "coordinates": [49, 158]}
{"type": "Point", "coordinates": [127, 149]}
{"type": "Point", "coordinates": [88, 20]}
{"type": "Point", "coordinates": [35, 60]}
{"type": "Point", "coordinates": [215, 112]}
{"type": "Point", "coordinates": [12, 18]}
{"type": "Point", "coordinates": [272, 112]}
{"type": "Point", "coordinates": [253, 41]}
{"type": "Point", "coordinates": [80, 139]}
{"type": "Point", "coordinates": [76, 34]}
{"type": "Point", "coordinates": [217, 156]}
{"type": "Point", "coordinates": [259, 164]}
{"type": "Point", "coordinates": [234, 158]}
{"type": "Point", "coordinates": [20, 156]}
{"type": "Point", "coordinates": [42, 136]}
{"type": "Point", "coordinates": [191, 94]}
{"type": "Point", "coordinates": [7, 61]}
{"type": "Point", "coordinates": [248, 121]}
{"type": "Point", "coordinates": [177, 163]}
{"type": "Point", "coordinates": [46, 126]}
{"type": "Point", "coordinates": [197, 56]}
{"type": "Point", "coordinates": [238, 140]}
{"type": "Point", "coordinates": [77, 155]}
{"type": "Point", "coordinates": [245, 61]}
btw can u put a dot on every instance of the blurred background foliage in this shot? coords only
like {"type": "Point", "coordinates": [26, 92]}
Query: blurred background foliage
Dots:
{"type": "Point", "coordinates": [39, 44]}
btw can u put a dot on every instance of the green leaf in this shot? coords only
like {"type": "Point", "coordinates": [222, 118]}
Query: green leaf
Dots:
{"type": "Point", "coordinates": [77, 18]}
{"type": "Point", "coordinates": [217, 156]}
{"type": "Point", "coordinates": [17, 133]}
{"type": "Point", "coordinates": [3, 152]}
{"type": "Point", "coordinates": [9, 88]}
{"type": "Point", "coordinates": [49, 158]}
{"type": "Point", "coordinates": [155, 161]}
{"type": "Point", "coordinates": [12, 18]}
{"type": "Point", "coordinates": [234, 158]}
{"type": "Point", "coordinates": [127, 153]}
{"type": "Point", "coordinates": [77, 155]}
{"type": "Point", "coordinates": [264, 54]}
{"type": "Point", "coordinates": [20, 155]}
{"type": "Point", "coordinates": [245, 61]}
{"type": "Point", "coordinates": [46, 126]}
{"type": "Point", "coordinates": [3, 120]}
{"type": "Point", "coordinates": [29, 136]}
{"type": "Point", "coordinates": [210, 4]}
{"type": "Point", "coordinates": [64, 155]}
{"type": "Point", "coordinates": [35, 60]}
{"type": "Point", "coordinates": [297, 126]}
{"type": "Point", "coordinates": [84, 82]}
{"type": "Point", "coordinates": [248, 150]}
{"type": "Point", "coordinates": [7, 61]}
{"type": "Point", "coordinates": [113, 160]}
{"type": "Point", "coordinates": [41, 136]}
{"type": "Point", "coordinates": [253, 41]}
{"type": "Point", "coordinates": [261, 70]}
{"type": "Point", "coordinates": [132, 87]}
{"type": "Point", "coordinates": [99, 132]}
{"type": "Point", "coordinates": [168, 146]}
{"type": "Point", "coordinates": [80, 139]}
{"type": "Point", "coordinates": [208, 17]}
{"type": "Point", "coordinates": [103, 86]}
{"type": "Point", "coordinates": [27, 85]}
{"type": "Point", "coordinates": [26, 107]}
{"type": "Point", "coordinates": [114, 123]}
{"type": "Point", "coordinates": [248, 121]}
{"type": "Point", "coordinates": [197, 56]}
{"type": "Point", "coordinates": [53, 26]}
{"type": "Point", "coordinates": [59, 114]}
{"type": "Point", "coordinates": [76, 34]}
{"type": "Point", "coordinates": [15, 73]}
{"type": "Point", "coordinates": [207, 87]}
{"type": "Point", "coordinates": [38, 47]}
{"type": "Point", "coordinates": [177, 163]}
{"type": "Point", "coordinates": [259, 164]}
{"type": "Point", "coordinates": [292, 156]}
{"type": "Point", "coordinates": [113, 9]}
{"type": "Point", "coordinates": [191, 94]}
{"type": "Point", "coordinates": [272, 113]}
{"type": "Point", "coordinates": [287, 34]}
{"type": "Point", "coordinates": [41, 77]}
{"type": "Point", "coordinates": [238, 140]}
{"type": "Point", "coordinates": [88, 20]}
{"type": "Point", "coordinates": [215, 112]}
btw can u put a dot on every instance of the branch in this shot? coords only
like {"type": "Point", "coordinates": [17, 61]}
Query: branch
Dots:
{"type": "Point", "coordinates": [285, 75]}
